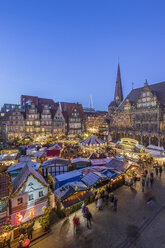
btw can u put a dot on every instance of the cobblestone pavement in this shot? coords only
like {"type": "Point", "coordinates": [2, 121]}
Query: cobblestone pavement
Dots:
{"type": "Point", "coordinates": [133, 225]}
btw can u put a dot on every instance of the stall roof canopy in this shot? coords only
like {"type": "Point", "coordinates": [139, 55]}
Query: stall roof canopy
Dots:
{"type": "Point", "coordinates": [110, 173]}
{"type": "Point", "coordinates": [100, 161]}
{"type": "Point", "coordinates": [22, 176]}
{"type": "Point", "coordinates": [93, 177]}
{"type": "Point", "coordinates": [118, 165]}
{"type": "Point", "coordinates": [21, 165]}
{"type": "Point", "coordinates": [92, 169]}
{"type": "Point", "coordinates": [59, 161]}
{"type": "Point", "coordinates": [92, 141]}
{"type": "Point", "coordinates": [79, 160]}
{"type": "Point", "coordinates": [68, 175]}
{"type": "Point", "coordinates": [69, 189]}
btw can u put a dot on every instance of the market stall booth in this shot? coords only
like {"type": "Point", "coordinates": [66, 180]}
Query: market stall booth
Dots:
{"type": "Point", "coordinates": [9, 157]}
{"type": "Point", "coordinates": [68, 177]}
{"type": "Point", "coordinates": [53, 151]}
{"type": "Point", "coordinates": [158, 160]}
{"type": "Point", "coordinates": [79, 163]}
{"type": "Point", "coordinates": [99, 162]}
{"type": "Point", "coordinates": [55, 167]}
{"type": "Point", "coordinates": [71, 194]}
{"type": "Point", "coordinates": [131, 150]}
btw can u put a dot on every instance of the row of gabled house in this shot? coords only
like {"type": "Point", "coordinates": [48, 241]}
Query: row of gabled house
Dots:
{"type": "Point", "coordinates": [42, 117]}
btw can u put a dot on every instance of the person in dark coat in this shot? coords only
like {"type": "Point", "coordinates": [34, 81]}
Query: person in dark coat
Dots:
{"type": "Point", "coordinates": [160, 170]}
{"type": "Point", "coordinates": [151, 181]}
{"type": "Point", "coordinates": [115, 203]}
{"type": "Point", "coordinates": [156, 171]}
{"type": "Point", "coordinates": [30, 231]}
{"type": "Point", "coordinates": [88, 217]}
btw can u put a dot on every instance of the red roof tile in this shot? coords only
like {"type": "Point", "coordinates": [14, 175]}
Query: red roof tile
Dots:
{"type": "Point", "coordinates": [68, 107]}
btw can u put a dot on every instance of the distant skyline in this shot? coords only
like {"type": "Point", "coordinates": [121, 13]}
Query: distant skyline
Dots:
{"type": "Point", "coordinates": [68, 50]}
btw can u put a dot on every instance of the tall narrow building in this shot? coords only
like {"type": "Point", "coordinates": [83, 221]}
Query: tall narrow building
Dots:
{"type": "Point", "coordinates": [118, 97]}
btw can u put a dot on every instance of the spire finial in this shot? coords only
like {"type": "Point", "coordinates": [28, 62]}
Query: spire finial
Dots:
{"type": "Point", "coordinates": [132, 85]}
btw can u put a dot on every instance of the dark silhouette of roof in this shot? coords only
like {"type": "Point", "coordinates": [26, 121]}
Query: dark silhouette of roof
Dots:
{"type": "Point", "coordinates": [118, 96]}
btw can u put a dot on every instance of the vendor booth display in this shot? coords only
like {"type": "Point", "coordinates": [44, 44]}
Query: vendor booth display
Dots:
{"type": "Point", "coordinates": [79, 163]}
{"type": "Point", "coordinates": [72, 193]}
{"type": "Point", "coordinates": [67, 177]}
{"type": "Point", "coordinates": [55, 166]}
{"type": "Point", "coordinates": [53, 151]}
{"type": "Point", "coordinates": [9, 157]}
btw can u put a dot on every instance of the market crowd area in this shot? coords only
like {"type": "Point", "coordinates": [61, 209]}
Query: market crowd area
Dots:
{"type": "Point", "coordinates": [44, 182]}
{"type": "Point", "coordinates": [133, 225]}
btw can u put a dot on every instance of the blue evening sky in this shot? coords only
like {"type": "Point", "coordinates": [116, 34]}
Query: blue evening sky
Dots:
{"type": "Point", "coordinates": [69, 49]}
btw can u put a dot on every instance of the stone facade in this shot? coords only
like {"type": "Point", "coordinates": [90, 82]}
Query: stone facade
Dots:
{"type": "Point", "coordinates": [42, 120]}
{"type": "Point", "coordinates": [141, 115]}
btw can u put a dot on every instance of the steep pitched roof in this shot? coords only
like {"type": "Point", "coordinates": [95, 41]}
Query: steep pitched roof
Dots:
{"type": "Point", "coordinates": [37, 100]}
{"type": "Point", "coordinates": [68, 107]}
{"type": "Point", "coordinates": [118, 89]}
{"type": "Point", "coordinates": [158, 89]}
{"type": "Point", "coordinates": [22, 176]}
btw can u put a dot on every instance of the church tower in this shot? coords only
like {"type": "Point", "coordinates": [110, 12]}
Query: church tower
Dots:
{"type": "Point", "coordinates": [118, 97]}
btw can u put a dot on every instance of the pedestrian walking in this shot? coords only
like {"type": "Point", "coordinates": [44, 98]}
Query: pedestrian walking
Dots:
{"type": "Point", "coordinates": [143, 184]}
{"type": "Point", "coordinates": [30, 231]}
{"type": "Point", "coordinates": [156, 171]}
{"type": "Point", "coordinates": [106, 197]}
{"type": "Point", "coordinates": [83, 207]}
{"type": "Point", "coordinates": [151, 181]}
{"type": "Point", "coordinates": [75, 223]}
{"type": "Point", "coordinates": [146, 172]}
{"type": "Point", "coordinates": [111, 200]}
{"type": "Point", "coordinates": [89, 218]}
{"type": "Point", "coordinates": [147, 181]}
{"type": "Point", "coordinates": [99, 203]}
{"type": "Point", "coordinates": [152, 174]}
{"type": "Point", "coordinates": [160, 170]}
{"type": "Point", "coordinates": [135, 180]}
{"type": "Point", "coordinates": [115, 204]}
{"type": "Point", "coordinates": [131, 183]}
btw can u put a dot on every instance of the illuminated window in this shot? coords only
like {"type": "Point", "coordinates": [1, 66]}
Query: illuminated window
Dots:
{"type": "Point", "coordinates": [19, 201]}
{"type": "Point", "coordinates": [41, 193]}
{"type": "Point", "coordinates": [2, 114]}
{"type": "Point", "coordinates": [31, 197]}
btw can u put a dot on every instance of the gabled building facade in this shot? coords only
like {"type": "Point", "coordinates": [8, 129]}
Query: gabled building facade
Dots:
{"type": "Point", "coordinates": [13, 125]}
{"type": "Point", "coordinates": [141, 115]}
{"type": "Point", "coordinates": [74, 118]}
{"type": "Point", "coordinates": [58, 123]}
{"type": "Point", "coordinates": [46, 121]}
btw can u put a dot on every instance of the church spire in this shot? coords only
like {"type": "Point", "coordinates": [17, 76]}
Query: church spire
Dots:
{"type": "Point", "coordinates": [118, 97]}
